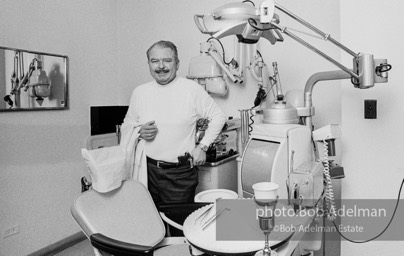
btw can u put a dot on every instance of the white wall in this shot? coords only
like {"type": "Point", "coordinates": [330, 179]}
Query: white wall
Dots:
{"type": "Point", "coordinates": [40, 161]}
{"type": "Point", "coordinates": [372, 149]}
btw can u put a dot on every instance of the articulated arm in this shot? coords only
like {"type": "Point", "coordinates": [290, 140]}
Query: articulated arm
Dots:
{"type": "Point", "coordinates": [250, 23]}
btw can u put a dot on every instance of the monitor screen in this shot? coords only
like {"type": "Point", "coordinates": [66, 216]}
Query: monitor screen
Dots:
{"type": "Point", "coordinates": [257, 163]}
{"type": "Point", "coordinates": [105, 118]}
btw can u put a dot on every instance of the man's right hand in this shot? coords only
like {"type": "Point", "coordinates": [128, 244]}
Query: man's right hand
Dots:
{"type": "Point", "coordinates": [148, 131]}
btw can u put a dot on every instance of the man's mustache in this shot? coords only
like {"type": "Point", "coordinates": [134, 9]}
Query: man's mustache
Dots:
{"type": "Point", "coordinates": [162, 70]}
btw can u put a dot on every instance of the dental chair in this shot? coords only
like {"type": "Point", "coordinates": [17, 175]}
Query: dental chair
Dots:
{"type": "Point", "coordinates": [125, 222]}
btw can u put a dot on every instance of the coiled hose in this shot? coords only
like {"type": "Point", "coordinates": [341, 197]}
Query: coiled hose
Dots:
{"type": "Point", "coordinates": [329, 192]}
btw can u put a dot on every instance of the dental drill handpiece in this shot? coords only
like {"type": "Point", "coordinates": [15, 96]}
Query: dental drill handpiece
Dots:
{"type": "Point", "coordinates": [277, 81]}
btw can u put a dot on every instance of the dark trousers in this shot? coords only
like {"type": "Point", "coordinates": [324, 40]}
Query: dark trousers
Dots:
{"type": "Point", "coordinates": [173, 185]}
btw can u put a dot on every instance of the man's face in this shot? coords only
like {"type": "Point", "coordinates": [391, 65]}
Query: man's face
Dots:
{"type": "Point", "coordinates": [162, 65]}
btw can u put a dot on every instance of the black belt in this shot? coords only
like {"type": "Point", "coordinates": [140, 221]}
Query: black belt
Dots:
{"type": "Point", "coordinates": [167, 165]}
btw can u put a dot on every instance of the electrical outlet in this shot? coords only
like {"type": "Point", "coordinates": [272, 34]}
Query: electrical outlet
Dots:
{"type": "Point", "coordinates": [11, 231]}
{"type": "Point", "coordinates": [370, 109]}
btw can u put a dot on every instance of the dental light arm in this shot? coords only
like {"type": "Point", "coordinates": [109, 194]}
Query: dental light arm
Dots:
{"type": "Point", "coordinates": [236, 19]}
{"type": "Point", "coordinates": [322, 34]}
{"type": "Point", "coordinates": [366, 71]}
{"type": "Point", "coordinates": [249, 24]}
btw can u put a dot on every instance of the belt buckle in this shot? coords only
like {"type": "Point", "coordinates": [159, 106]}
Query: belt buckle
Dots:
{"type": "Point", "coordinates": [160, 164]}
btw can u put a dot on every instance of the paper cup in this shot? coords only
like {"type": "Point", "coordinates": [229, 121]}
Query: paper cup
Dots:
{"type": "Point", "coordinates": [265, 190]}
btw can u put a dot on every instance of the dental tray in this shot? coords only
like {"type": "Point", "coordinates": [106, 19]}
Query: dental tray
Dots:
{"type": "Point", "coordinates": [212, 194]}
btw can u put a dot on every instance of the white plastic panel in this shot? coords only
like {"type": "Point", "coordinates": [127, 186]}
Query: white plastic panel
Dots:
{"type": "Point", "coordinates": [257, 164]}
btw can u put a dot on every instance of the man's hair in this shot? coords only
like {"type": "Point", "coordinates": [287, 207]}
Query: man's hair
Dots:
{"type": "Point", "coordinates": [164, 44]}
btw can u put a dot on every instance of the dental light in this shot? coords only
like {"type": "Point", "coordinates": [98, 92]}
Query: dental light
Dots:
{"type": "Point", "coordinates": [250, 23]}
{"type": "Point", "coordinates": [242, 20]}
{"type": "Point", "coordinates": [36, 82]}
{"type": "Point", "coordinates": [206, 69]}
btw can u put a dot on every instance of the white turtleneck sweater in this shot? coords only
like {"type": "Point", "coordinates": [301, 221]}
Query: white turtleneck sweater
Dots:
{"type": "Point", "coordinates": [175, 108]}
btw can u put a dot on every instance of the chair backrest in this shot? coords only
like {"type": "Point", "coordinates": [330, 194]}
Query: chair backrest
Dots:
{"type": "Point", "coordinates": [127, 214]}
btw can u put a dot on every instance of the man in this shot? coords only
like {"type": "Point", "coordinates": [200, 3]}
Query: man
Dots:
{"type": "Point", "coordinates": [168, 109]}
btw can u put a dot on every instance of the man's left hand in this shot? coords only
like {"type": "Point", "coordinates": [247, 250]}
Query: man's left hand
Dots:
{"type": "Point", "coordinates": [198, 155]}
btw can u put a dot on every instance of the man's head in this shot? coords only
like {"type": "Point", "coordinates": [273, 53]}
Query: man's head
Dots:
{"type": "Point", "coordinates": [163, 61]}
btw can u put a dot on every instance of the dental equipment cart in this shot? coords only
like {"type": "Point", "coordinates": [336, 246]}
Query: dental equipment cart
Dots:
{"type": "Point", "coordinates": [218, 175]}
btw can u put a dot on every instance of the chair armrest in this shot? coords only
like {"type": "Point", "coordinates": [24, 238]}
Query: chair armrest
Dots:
{"type": "Point", "coordinates": [183, 207]}
{"type": "Point", "coordinates": [179, 212]}
{"type": "Point", "coordinates": [170, 221]}
{"type": "Point", "coordinates": [116, 247]}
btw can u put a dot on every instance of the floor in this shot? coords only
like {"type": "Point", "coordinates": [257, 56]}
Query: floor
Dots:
{"type": "Point", "coordinates": [83, 248]}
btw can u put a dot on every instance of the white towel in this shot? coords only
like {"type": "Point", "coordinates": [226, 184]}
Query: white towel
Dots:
{"type": "Point", "coordinates": [106, 167]}
{"type": "Point", "coordinates": [109, 166]}
{"type": "Point", "coordinates": [136, 163]}
{"type": "Point", "coordinates": [140, 170]}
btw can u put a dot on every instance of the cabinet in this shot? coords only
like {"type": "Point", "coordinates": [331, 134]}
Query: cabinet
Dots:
{"type": "Point", "coordinates": [221, 174]}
